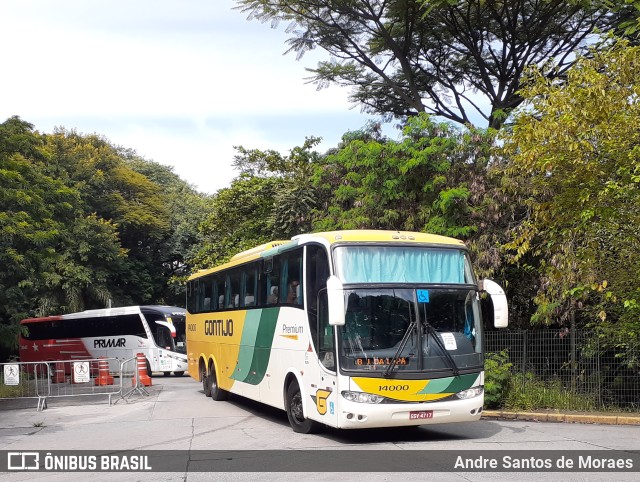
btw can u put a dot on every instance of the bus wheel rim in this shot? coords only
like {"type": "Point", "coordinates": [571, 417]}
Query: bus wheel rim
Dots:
{"type": "Point", "coordinates": [296, 407]}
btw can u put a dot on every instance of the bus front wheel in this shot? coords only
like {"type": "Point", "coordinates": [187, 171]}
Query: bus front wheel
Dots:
{"type": "Point", "coordinates": [293, 406]}
{"type": "Point", "coordinates": [178, 374]}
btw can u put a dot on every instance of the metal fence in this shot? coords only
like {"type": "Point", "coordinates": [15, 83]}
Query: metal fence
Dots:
{"type": "Point", "coordinates": [72, 378]}
{"type": "Point", "coordinates": [601, 373]}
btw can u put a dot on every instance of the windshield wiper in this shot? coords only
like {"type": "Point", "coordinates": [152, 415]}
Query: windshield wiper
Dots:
{"type": "Point", "coordinates": [403, 342]}
{"type": "Point", "coordinates": [434, 334]}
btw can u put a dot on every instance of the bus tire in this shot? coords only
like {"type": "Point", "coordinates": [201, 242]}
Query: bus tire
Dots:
{"type": "Point", "coordinates": [293, 406]}
{"type": "Point", "coordinates": [206, 388]}
{"type": "Point", "coordinates": [217, 393]}
{"type": "Point", "coordinates": [178, 374]}
{"type": "Point", "coordinates": [149, 369]}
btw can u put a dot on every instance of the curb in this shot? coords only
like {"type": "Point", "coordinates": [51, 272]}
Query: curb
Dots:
{"type": "Point", "coordinates": [559, 417]}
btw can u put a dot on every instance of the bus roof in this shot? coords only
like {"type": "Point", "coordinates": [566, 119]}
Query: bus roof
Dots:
{"type": "Point", "coordinates": [334, 237]}
{"type": "Point", "coordinates": [122, 310]}
{"type": "Point", "coordinates": [374, 235]}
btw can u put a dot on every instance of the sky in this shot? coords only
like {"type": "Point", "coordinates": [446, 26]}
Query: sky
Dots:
{"type": "Point", "coordinates": [181, 82]}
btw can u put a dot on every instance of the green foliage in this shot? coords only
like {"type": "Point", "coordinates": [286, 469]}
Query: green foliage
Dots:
{"type": "Point", "coordinates": [497, 373]}
{"type": "Point", "coordinates": [37, 214]}
{"type": "Point", "coordinates": [8, 391]}
{"type": "Point", "coordinates": [272, 198]}
{"type": "Point", "coordinates": [423, 182]}
{"type": "Point", "coordinates": [524, 391]}
{"type": "Point", "coordinates": [241, 217]}
{"type": "Point", "coordinates": [575, 162]}
{"type": "Point", "coordinates": [83, 222]}
{"type": "Point", "coordinates": [404, 57]}
{"type": "Point", "coordinates": [627, 16]}
{"type": "Point", "coordinates": [527, 392]}
{"type": "Point", "coordinates": [117, 194]}
{"type": "Point", "coordinates": [187, 210]}
{"type": "Point", "coordinates": [81, 272]}
{"type": "Point", "coordinates": [621, 340]}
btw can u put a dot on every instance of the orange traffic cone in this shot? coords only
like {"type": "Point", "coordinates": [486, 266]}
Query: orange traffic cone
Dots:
{"type": "Point", "coordinates": [145, 379]}
{"type": "Point", "coordinates": [103, 378]}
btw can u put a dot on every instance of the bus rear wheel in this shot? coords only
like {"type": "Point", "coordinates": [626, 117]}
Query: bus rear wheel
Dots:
{"type": "Point", "coordinates": [215, 392]}
{"type": "Point", "coordinates": [295, 414]}
{"type": "Point", "coordinates": [205, 382]}
{"type": "Point", "coordinates": [178, 374]}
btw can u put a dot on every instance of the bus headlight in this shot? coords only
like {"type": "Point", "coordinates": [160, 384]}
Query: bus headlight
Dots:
{"type": "Point", "coordinates": [362, 397]}
{"type": "Point", "coordinates": [470, 393]}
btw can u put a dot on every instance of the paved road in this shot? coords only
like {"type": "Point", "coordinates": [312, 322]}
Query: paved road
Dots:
{"type": "Point", "coordinates": [176, 415]}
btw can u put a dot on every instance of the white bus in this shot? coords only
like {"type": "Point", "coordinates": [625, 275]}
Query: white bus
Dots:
{"type": "Point", "coordinates": [350, 329]}
{"type": "Point", "coordinates": [120, 333]}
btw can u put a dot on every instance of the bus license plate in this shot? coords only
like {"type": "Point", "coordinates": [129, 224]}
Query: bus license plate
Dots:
{"type": "Point", "coordinates": [421, 414]}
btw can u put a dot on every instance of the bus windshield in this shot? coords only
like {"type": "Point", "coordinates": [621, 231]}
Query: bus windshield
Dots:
{"type": "Point", "coordinates": [411, 329]}
{"type": "Point", "coordinates": [168, 328]}
{"type": "Point", "coordinates": [179, 321]}
{"type": "Point", "coordinates": [402, 264]}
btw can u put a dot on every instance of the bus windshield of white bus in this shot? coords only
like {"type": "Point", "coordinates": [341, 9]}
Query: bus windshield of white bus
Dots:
{"type": "Point", "coordinates": [179, 321]}
{"type": "Point", "coordinates": [415, 309]}
{"type": "Point", "coordinates": [167, 327]}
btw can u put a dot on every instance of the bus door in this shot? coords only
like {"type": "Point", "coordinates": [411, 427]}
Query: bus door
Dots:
{"type": "Point", "coordinates": [164, 334]}
{"type": "Point", "coordinates": [322, 360]}
{"type": "Point", "coordinates": [325, 392]}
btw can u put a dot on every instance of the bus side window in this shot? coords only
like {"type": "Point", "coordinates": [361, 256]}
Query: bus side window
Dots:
{"type": "Point", "coordinates": [227, 292]}
{"type": "Point", "coordinates": [249, 286]}
{"type": "Point", "coordinates": [293, 291]}
{"type": "Point", "coordinates": [161, 337]}
{"type": "Point", "coordinates": [191, 296]}
{"type": "Point", "coordinates": [326, 347]}
{"type": "Point", "coordinates": [213, 304]}
{"type": "Point", "coordinates": [291, 280]}
{"type": "Point", "coordinates": [271, 285]}
{"type": "Point", "coordinates": [200, 295]}
{"type": "Point", "coordinates": [207, 293]}
{"type": "Point", "coordinates": [220, 292]}
{"type": "Point", "coordinates": [273, 295]}
{"type": "Point", "coordinates": [234, 278]}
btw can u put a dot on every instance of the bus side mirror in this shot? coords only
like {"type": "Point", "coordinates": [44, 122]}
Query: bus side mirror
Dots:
{"type": "Point", "coordinates": [499, 300]}
{"type": "Point", "coordinates": [335, 298]}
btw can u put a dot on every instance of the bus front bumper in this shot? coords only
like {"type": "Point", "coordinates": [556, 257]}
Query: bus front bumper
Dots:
{"type": "Point", "coordinates": [366, 415]}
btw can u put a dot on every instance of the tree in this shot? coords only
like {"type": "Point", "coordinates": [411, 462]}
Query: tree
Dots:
{"type": "Point", "coordinates": [443, 57]}
{"type": "Point", "coordinates": [117, 194]}
{"type": "Point", "coordinates": [575, 161]}
{"type": "Point", "coordinates": [54, 257]}
{"type": "Point", "coordinates": [240, 218]}
{"type": "Point", "coordinates": [81, 274]}
{"type": "Point", "coordinates": [187, 210]}
{"type": "Point", "coordinates": [28, 228]}
{"type": "Point", "coordinates": [429, 181]}
{"type": "Point", "coordinates": [296, 197]}
{"type": "Point", "coordinates": [626, 18]}
{"type": "Point", "coordinates": [271, 198]}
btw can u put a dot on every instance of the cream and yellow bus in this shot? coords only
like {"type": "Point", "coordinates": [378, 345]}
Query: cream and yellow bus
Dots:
{"type": "Point", "coordinates": [350, 329]}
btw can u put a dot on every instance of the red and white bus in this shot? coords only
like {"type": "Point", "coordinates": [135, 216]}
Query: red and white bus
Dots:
{"type": "Point", "coordinates": [119, 333]}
